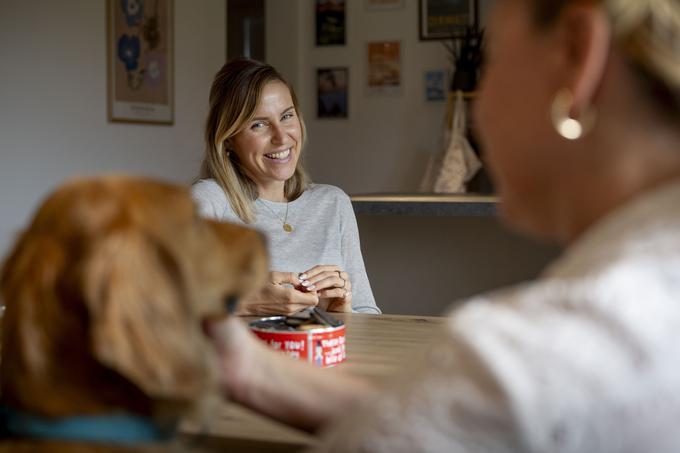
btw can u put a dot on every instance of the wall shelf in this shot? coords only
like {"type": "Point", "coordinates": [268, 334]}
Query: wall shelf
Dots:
{"type": "Point", "coordinates": [425, 204]}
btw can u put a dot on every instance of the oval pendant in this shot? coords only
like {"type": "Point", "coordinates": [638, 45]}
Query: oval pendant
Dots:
{"type": "Point", "coordinates": [287, 228]}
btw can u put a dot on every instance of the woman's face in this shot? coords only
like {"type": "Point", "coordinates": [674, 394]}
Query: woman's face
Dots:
{"type": "Point", "coordinates": [269, 145]}
{"type": "Point", "coordinates": [512, 114]}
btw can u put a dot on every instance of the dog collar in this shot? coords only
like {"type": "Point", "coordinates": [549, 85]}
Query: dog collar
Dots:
{"type": "Point", "coordinates": [110, 428]}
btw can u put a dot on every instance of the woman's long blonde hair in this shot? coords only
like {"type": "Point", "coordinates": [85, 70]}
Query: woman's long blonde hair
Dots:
{"type": "Point", "coordinates": [648, 31]}
{"type": "Point", "coordinates": [234, 96]}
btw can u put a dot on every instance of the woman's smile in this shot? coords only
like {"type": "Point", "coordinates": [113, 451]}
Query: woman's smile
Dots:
{"type": "Point", "coordinates": [280, 156]}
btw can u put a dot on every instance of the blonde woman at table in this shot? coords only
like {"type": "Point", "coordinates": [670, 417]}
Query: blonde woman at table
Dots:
{"type": "Point", "coordinates": [579, 114]}
{"type": "Point", "coordinates": [252, 173]}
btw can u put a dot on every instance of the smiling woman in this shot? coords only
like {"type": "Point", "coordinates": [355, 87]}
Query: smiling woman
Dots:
{"type": "Point", "coordinates": [252, 173]}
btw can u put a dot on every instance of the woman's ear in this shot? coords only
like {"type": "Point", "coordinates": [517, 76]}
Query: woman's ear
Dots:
{"type": "Point", "coordinates": [142, 322]}
{"type": "Point", "coordinates": [584, 36]}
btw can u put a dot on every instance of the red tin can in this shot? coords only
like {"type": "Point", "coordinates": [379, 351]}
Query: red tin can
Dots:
{"type": "Point", "coordinates": [321, 345]}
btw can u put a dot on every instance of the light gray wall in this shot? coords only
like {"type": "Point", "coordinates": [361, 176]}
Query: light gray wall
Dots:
{"type": "Point", "coordinates": [415, 264]}
{"type": "Point", "coordinates": [53, 111]}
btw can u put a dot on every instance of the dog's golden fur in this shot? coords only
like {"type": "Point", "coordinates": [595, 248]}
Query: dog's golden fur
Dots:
{"type": "Point", "coordinates": [105, 293]}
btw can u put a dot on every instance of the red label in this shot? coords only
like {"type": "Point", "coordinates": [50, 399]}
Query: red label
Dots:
{"type": "Point", "coordinates": [322, 349]}
{"type": "Point", "coordinates": [293, 344]}
{"type": "Point", "coordinates": [328, 349]}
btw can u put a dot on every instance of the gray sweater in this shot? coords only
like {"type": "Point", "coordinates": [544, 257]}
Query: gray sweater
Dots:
{"type": "Point", "coordinates": [325, 232]}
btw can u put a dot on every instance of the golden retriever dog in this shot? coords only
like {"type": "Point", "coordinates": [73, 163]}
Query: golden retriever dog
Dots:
{"type": "Point", "coordinates": [105, 293]}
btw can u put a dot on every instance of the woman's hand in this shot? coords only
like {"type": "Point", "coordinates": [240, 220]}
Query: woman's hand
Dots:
{"type": "Point", "coordinates": [282, 295]}
{"type": "Point", "coordinates": [331, 284]}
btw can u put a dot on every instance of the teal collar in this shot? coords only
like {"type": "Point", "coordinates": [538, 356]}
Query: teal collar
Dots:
{"type": "Point", "coordinates": [111, 428]}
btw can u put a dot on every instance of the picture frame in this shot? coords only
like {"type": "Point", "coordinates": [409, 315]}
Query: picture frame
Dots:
{"type": "Point", "coordinates": [330, 22]}
{"type": "Point", "coordinates": [384, 72]}
{"type": "Point", "coordinates": [140, 61]}
{"type": "Point", "coordinates": [383, 5]}
{"type": "Point", "coordinates": [436, 85]}
{"type": "Point", "coordinates": [332, 92]}
{"type": "Point", "coordinates": [446, 19]}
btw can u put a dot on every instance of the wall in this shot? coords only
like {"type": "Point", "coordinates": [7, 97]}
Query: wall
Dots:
{"type": "Point", "coordinates": [53, 102]}
{"type": "Point", "coordinates": [387, 139]}
{"type": "Point", "coordinates": [416, 264]}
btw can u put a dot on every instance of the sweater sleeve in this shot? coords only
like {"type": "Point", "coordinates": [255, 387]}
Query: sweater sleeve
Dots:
{"type": "Point", "coordinates": [209, 198]}
{"type": "Point", "coordinates": [363, 300]}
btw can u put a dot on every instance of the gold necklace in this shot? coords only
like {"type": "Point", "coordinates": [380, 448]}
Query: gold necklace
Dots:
{"type": "Point", "coordinates": [287, 227]}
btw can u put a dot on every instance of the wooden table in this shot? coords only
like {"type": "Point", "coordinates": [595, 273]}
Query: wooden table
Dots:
{"type": "Point", "coordinates": [377, 346]}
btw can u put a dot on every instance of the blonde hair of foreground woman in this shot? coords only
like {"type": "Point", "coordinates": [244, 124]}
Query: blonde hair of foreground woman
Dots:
{"type": "Point", "coordinates": [234, 96]}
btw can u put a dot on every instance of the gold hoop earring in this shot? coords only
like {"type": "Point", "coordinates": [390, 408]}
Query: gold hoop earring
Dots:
{"type": "Point", "coordinates": [566, 126]}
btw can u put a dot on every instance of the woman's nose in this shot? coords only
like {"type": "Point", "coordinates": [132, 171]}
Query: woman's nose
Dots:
{"type": "Point", "coordinates": [278, 134]}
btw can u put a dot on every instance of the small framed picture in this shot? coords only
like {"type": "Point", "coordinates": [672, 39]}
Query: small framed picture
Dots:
{"type": "Point", "coordinates": [446, 19]}
{"type": "Point", "coordinates": [384, 67]}
{"type": "Point", "coordinates": [330, 22]}
{"type": "Point", "coordinates": [435, 85]}
{"type": "Point", "coordinates": [382, 5]}
{"type": "Point", "coordinates": [332, 92]}
{"type": "Point", "coordinates": [140, 61]}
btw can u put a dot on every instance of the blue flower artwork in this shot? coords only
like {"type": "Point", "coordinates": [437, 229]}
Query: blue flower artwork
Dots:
{"type": "Point", "coordinates": [133, 10]}
{"type": "Point", "coordinates": [128, 51]}
{"type": "Point", "coordinates": [140, 52]}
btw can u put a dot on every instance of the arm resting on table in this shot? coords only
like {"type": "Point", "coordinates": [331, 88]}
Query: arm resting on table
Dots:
{"type": "Point", "coordinates": [293, 392]}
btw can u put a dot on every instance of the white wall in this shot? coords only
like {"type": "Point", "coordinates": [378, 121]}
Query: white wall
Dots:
{"type": "Point", "coordinates": [53, 111]}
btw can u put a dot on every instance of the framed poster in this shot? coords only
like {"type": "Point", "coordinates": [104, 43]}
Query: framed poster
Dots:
{"type": "Point", "coordinates": [332, 86]}
{"type": "Point", "coordinates": [380, 5]}
{"type": "Point", "coordinates": [445, 19]}
{"type": "Point", "coordinates": [140, 61]}
{"type": "Point", "coordinates": [330, 22]}
{"type": "Point", "coordinates": [435, 85]}
{"type": "Point", "coordinates": [384, 67]}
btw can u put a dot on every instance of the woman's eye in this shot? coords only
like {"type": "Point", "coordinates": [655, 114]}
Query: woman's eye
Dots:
{"type": "Point", "coordinates": [287, 116]}
{"type": "Point", "coordinates": [257, 125]}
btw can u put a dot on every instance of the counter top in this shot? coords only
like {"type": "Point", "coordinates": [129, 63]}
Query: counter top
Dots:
{"type": "Point", "coordinates": [425, 204]}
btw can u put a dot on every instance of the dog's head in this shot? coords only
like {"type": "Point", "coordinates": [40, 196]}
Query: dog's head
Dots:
{"type": "Point", "coordinates": [105, 293]}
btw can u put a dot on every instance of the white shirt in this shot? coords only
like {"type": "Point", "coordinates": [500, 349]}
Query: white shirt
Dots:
{"type": "Point", "coordinates": [586, 359]}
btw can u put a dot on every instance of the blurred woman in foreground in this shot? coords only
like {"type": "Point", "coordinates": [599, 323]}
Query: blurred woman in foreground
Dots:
{"type": "Point", "coordinates": [579, 114]}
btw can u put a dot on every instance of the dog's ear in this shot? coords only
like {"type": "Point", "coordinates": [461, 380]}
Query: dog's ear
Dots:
{"type": "Point", "coordinates": [142, 324]}
{"type": "Point", "coordinates": [28, 284]}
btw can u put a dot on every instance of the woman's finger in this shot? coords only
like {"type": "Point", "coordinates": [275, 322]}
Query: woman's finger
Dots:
{"type": "Point", "coordinates": [319, 268]}
{"type": "Point", "coordinates": [277, 299]}
{"type": "Point", "coordinates": [327, 279]}
{"type": "Point", "coordinates": [293, 296]}
{"type": "Point", "coordinates": [279, 278]}
{"type": "Point", "coordinates": [335, 293]}
{"type": "Point", "coordinates": [323, 281]}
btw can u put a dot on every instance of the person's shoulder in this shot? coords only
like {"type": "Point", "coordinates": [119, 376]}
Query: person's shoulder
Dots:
{"type": "Point", "coordinates": [208, 189]}
{"type": "Point", "coordinates": [327, 191]}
